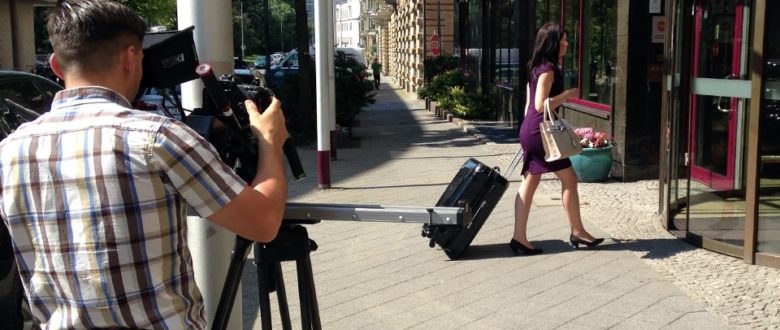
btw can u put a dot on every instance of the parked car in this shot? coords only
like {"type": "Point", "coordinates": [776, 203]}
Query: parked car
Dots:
{"type": "Point", "coordinates": [277, 72]}
{"type": "Point", "coordinates": [19, 91]}
{"type": "Point", "coordinates": [244, 74]}
{"type": "Point", "coordinates": [239, 63]}
{"type": "Point", "coordinates": [161, 102]}
{"type": "Point", "coordinates": [289, 64]}
{"type": "Point", "coordinates": [28, 90]}
{"type": "Point", "coordinates": [277, 57]}
{"type": "Point", "coordinates": [260, 62]}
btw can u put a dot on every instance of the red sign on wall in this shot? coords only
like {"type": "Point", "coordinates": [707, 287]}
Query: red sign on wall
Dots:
{"type": "Point", "coordinates": [435, 49]}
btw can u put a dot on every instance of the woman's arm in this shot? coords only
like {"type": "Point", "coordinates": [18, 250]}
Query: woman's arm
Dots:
{"type": "Point", "coordinates": [543, 86]}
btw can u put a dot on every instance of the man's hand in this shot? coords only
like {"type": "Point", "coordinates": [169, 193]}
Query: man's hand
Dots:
{"type": "Point", "coordinates": [269, 127]}
{"type": "Point", "coordinates": [257, 211]}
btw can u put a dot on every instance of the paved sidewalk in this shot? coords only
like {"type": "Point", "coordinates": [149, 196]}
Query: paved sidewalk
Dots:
{"type": "Point", "coordinates": [384, 275]}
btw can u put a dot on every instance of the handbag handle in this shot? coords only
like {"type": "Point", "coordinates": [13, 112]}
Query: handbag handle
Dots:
{"type": "Point", "coordinates": [548, 114]}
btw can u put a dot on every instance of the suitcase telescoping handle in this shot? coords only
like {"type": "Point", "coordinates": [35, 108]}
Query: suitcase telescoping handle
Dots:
{"type": "Point", "coordinates": [517, 159]}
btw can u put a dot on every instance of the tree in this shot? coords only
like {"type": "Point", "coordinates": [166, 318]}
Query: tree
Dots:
{"type": "Point", "coordinates": [281, 24]}
{"type": "Point", "coordinates": [155, 12]}
{"type": "Point", "coordinates": [42, 44]}
{"type": "Point", "coordinates": [305, 64]}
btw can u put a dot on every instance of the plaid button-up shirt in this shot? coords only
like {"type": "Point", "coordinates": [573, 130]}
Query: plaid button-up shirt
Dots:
{"type": "Point", "coordinates": [95, 196]}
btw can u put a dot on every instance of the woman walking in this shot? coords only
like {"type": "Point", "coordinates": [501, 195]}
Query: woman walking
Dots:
{"type": "Point", "coordinates": [546, 81]}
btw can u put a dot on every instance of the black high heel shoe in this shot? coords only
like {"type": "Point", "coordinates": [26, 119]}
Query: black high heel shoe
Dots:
{"type": "Point", "coordinates": [576, 241]}
{"type": "Point", "coordinates": [519, 247]}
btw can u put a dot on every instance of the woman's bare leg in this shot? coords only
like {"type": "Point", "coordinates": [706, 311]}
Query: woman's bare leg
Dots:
{"type": "Point", "coordinates": [571, 202]}
{"type": "Point", "coordinates": [525, 196]}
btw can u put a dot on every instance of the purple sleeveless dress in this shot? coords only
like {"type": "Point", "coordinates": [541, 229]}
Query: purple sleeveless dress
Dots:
{"type": "Point", "coordinates": [530, 137]}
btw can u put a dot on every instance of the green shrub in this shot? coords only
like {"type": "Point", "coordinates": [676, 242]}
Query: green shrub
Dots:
{"type": "Point", "coordinates": [440, 85]}
{"type": "Point", "coordinates": [447, 101]}
{"type": "Point", "coordinates": [468, 105]}
{"type": "Point", "coordinates": [435, 65]}
{"type": "Point", "coordinates": [301, 123]}
{"type": "Point", "coordinates": [353, 89]}
{"type": "Point", "coordinates": [353, 92]}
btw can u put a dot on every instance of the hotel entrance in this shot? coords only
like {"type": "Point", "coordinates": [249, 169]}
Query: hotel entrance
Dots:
{"type": "Point", "coordinates": [713, 185]}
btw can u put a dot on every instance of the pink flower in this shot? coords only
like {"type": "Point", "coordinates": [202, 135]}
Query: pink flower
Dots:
{"type": "Point", "coordinates": [592, 139]}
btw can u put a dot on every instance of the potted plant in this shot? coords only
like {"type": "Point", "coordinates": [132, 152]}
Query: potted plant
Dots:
{"type": "Point", "coordinates": [595, 161]}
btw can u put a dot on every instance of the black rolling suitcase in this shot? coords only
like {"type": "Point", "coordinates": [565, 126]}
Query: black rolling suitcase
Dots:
{"type": "Point", "coordinates": [478, 187]}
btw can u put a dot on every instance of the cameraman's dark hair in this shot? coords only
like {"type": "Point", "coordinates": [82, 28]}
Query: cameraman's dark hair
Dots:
{"type": "Point", "coordinates": [547, 46]}
{"type": "Point", "coordinates": [89, 34]}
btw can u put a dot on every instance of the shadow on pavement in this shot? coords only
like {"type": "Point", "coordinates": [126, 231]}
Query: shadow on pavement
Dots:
{"type": "Point", "coordinates": [443, 185]}
{"type": "Point", "coordinates": [501, 250]}
{"type": "Point", "coordinates": [654, 248]}
{"type": "Point", "coordinates": [658, 248]}
{"type": "Point", "coordinates": [497, 132]}
{"type": "Point", "coordinates": [388, 129]}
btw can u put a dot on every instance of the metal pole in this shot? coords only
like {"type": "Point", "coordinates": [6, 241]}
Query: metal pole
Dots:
{"type": "Point", "coordinates": [243, 46]}
{"type": "Point", "coordinates": [281, 31]}
{"type": "Point", "coordinates": [332, 85]}
{"type": "Point", "coordinates": [438, 23]}
{"type": "Point", "coordinates": [322, 43]}
{"type": "Point", "coordinates": [213, 37]}
{"type": "Point", "coordinates": [267, 36]}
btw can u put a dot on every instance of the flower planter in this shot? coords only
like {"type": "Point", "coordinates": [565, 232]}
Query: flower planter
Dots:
{"type": "Point", "coordinates": [593, 164]}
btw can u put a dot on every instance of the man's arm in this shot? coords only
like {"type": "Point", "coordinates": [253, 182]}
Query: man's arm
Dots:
{"type": "Point", "coordinates": [256, 213]}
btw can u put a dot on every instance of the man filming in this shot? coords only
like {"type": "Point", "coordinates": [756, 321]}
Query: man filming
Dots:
{"type": "Point", "coordinates": [95, 193]}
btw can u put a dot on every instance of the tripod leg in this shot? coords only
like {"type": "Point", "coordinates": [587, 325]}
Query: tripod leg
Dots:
{"type": "Point", "coordinates": [310, 313]}
{"type": "Point", "coordinates": [313, 305]}
{"type": "Point", "coordinates": [303, 293]}
{"type": "Point", "coordinates": [263, 274]}
{"type": "Point", "coordinates": [232, 280]}
{"type": "Point", "coordinates": [281, 296]}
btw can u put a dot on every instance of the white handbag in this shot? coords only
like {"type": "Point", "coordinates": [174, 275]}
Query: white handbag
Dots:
{"type": "Point", "coordinates": [558, 137]}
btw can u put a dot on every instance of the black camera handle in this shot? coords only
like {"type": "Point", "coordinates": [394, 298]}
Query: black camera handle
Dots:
{"type": "Point", "coordinates": [221, 101]}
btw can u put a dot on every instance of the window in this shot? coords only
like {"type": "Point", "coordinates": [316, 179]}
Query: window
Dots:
{"type": "Point", "coordinates": [507, 52]}
{"type": "Point", "coordinates": [590, 63]}
{"type": "Point", "coordinates": [473, 51]}
{"type": "Point", "coordinates": [571, 64]}
{"type": "Point", "coordinates": [599, 45]}
{"type": "Point", "coordinates": [547, 11]}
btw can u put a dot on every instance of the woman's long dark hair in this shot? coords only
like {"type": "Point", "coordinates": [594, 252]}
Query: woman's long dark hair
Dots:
{"type": "Point", "coordinates": [548, 45]}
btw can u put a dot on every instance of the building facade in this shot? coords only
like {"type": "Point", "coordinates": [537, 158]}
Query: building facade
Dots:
{"type": "Point", "coordinates": [347, 23]}
{"type": "Point", "coordinates": [410, 29]}
{"type": "Point", "coordinates": [17, 33]}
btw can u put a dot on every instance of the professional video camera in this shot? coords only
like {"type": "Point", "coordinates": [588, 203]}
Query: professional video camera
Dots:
{"type": "Point", "coordinates": [169, 59]}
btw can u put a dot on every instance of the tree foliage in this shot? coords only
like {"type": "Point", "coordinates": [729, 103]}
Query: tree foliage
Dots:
{"type": "Point", "coordinates": [281, 25]}
{"type": "Point", "coordinates": [155, 12]}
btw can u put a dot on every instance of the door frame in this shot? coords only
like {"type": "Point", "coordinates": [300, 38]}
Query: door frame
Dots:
{"type": "Point", "coordinates": [712, 179]}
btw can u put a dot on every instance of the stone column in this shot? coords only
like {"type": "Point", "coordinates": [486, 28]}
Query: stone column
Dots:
{"type": "Point", "coordinates": [209, 244]}
{"type": "Point", "coordinates": [23, 35]}
{"type": "Point", "coordinates": [6, 39]}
